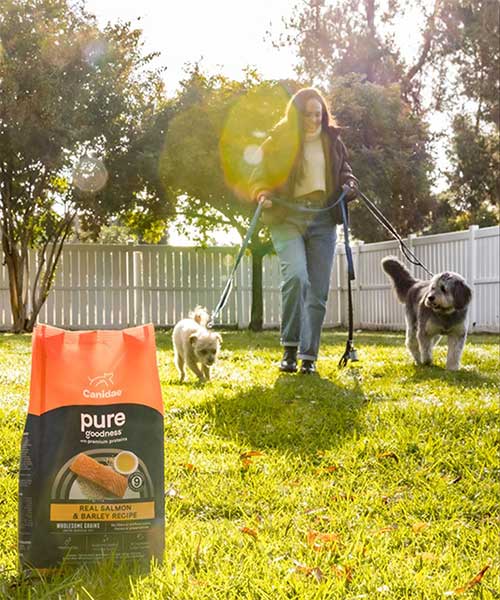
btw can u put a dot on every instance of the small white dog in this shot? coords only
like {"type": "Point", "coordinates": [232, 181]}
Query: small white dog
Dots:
{"type": "Point", "coordinates": [195, 345]}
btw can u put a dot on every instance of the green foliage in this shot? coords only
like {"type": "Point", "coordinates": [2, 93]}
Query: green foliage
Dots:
{"type": "Point", "coordinates": [210, 152]}
{"type": "Point", "coordinates": [457, 61]}
{"type": "Point", "coordinates": [397, 464]}
{"type": "Point", "coordinates": [388, 153]}
{"type": "Point", "coordinates": [334, 39]}
{"type": "Point", "coordinates": [82, 117]}
{"type": "Point", "coordinates": [469, 38]}
{"type": "Point", "coordinates": [472, 196]}
{"type": "Point", "coordinates": [217, 125]}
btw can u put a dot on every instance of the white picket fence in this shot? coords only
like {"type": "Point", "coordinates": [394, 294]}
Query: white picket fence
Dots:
{"type": "Point", "coordinates": [114, 286]}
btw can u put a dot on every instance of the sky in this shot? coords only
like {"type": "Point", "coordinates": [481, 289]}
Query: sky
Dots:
{"type": "Point", "coordinates": [226, 35]}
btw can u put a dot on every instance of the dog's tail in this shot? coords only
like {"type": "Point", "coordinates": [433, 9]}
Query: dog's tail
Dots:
{"type": "Point", "coordinates": [400, 276]}
{"type": "Point", "coordinates": [200, 315]}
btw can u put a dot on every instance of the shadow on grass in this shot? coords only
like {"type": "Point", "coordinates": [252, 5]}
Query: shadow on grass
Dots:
{"type": "Point", "coordinates": [302, 414]}
{"type": "Point", "coordinates": [461, 378]}
{"type": "Point", "coordinates": [237, 340]}
{"type": "Point", "coordinates": [105, 578]}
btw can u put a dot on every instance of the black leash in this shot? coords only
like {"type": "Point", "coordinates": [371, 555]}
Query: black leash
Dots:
{"type": "Point", "coordinates": [407, 252]}
{"type": "Point", "coordinates": [350, 353]}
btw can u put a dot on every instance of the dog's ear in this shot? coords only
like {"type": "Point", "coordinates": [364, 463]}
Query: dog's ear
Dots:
{"type": "Point", "coordinates": [462, 294]}
{"type": "Point", "coordinates": [193, 338]}
{"type": "Point", "coordinates": [218, 337]}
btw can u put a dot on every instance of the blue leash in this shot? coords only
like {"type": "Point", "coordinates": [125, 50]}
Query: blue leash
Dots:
{"type": "Point", "coordinates": [229, 283]}
{"type": "Point", "coordinates": [251, 229]}
{"type": "Point", "coordinates": [350, 352]}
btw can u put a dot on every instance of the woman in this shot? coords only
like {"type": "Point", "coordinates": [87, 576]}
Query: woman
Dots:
{"type": "Point", "coordinates": [304, 162]}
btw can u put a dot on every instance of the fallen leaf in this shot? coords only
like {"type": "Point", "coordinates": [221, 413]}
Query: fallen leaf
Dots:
{"type": "Point", "coordinates": [473, 582]}
{"type": "Point", "coordinates": [245, 463]}
{"type": "Point", "coordinates": [251, 453]}
{"type": "Point", "coordinates": [315, 572]}
{"type": "Point", "coordinates": [188, 466]}
{"type": "Point", "coordinates": [249, 531]}
{"type": "Point", "coordinates": [392, 455]}
{"type": "Point", "coordinates": [343, 572]}
{"type": "Point", "coordinates": [327, 469]}
{"type": "Point", "coordinates": [420, 526]}
{"type": "Point", "coordinates": [386, 529]}
{"type": "Point", "coordinates": [321, 541]}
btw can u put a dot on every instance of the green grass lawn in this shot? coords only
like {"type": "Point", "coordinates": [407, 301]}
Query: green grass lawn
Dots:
{"type": "Point", "coordinates": [380, 480]}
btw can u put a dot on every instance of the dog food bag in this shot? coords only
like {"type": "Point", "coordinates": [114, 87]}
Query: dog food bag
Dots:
{"type": "Point", "coordinates": [91, 483]}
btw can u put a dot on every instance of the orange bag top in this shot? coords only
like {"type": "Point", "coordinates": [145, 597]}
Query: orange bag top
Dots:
{"type": "Point", "coordinates": [93, 368]}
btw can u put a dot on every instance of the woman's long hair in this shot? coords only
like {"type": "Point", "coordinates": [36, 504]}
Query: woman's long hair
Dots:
{"type": "Point", "coordinates": [296, 108]}
{"type": "Point", "coordinates": [294, 119]}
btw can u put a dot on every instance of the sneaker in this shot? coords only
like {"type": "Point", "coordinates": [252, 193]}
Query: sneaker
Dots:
{"type": "Point", "coordinates": [308, 367]}
{"type": "Point", "coordinates": [288, 363]}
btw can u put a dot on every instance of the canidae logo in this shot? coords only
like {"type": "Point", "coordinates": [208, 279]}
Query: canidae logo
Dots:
{"type": "Point", "coordinates": [101, 385]}
{"type": "Point", "coordinates": [105, 379]}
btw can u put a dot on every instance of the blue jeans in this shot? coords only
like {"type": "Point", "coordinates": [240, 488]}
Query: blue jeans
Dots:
{"type": "Point", "coordinates": [305, 249]}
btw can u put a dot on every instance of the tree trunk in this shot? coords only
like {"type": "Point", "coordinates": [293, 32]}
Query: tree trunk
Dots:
{"type": "Point", "coordinates": [257, 310]}
{"type": "Point", "coordinates": [17, 260]}
{"type": "Point", "coordinates": [15, 269]}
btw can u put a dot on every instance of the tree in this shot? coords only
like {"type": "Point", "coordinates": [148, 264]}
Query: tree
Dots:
{"type": "Point", "coordinates": [210, 152]}
{"type": "Point", "coordinates": [469, 39]}
{"type": "Point", "coordinates": [335, 39]}
{"type": "Point", "coordinates": [388, 153]}
{"type": "Point", "coordinates": [469, 43]}
{"type": "Point", "coordinates": [474, 189]}
{"type": "Point", "coordinates": [79, 108]}
{"type": "Point", "coordinates": [347, 48]}
{"type": "Point", "coordinates": [457, 63]}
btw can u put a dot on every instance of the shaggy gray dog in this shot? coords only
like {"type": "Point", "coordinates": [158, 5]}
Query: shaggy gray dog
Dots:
{"type": "Point", "coordinates": [433, 308]}
{"type": "Point", "coordinates": [195, 346]}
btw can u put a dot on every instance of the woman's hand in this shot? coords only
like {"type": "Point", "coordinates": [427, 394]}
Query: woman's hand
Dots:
{"type": "Point", "coordinates": [264, 198]}
{"type": "Point", "coordinates": [351, 190]}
